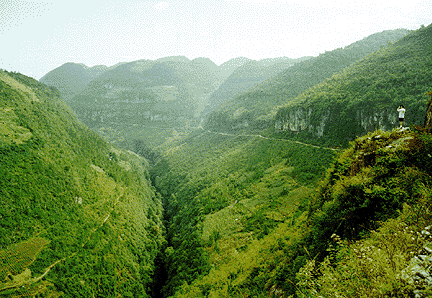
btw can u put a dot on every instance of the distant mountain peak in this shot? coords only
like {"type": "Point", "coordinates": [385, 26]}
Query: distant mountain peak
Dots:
{"type": "Point", "coordinates": [203, 60]}
{"type": "Point", "coordinates": [174, 59]}
{"type": "Point", "coordinates": [235, 61]}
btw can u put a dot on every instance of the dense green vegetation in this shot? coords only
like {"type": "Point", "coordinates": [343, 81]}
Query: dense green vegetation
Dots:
{"type": "Point", "coordinates": [256, 229]}
{"type": "Point", "coordinates": [372, 87]}
{"type": "Point", "coordinates": [157, 94]}
{"type": "Point", "coordinates": [241, 223]}
{"type": "Point", "coordinates": [260, 101]}
{"type": "Point", "coordinates": [382, 175]}
{"type": "Point", "coordinates": [247, 75]}
{"type": "Point", "coordinates": [245, 215]}
{"type": "Point", "coordinates": [168, 91]}
{"type": "Point", "coordinates": [71, 78]}
{"type": "Point", "coordinates": [218, 188]}
{"type": "Point", "coordinates": [78, 216]}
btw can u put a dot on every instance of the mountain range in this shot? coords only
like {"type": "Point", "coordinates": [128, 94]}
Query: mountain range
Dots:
{"type": "Point", "coordinates": [239, 94]}
{"type": "Point", "coordinates": [173, 89]}
{"type": "Point", "coordinates": [261, 102]}
{"type": "Point", "coordinates": [364, 96]}
{"type": "Point", "coordinates": [181, 178]}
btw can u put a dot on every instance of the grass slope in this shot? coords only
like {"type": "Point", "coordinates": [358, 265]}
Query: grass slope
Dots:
{"type": "Point", "coordinates": [79, 217]}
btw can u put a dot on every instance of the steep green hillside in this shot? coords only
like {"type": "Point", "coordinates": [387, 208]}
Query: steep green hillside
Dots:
{"type": "Point", "coordinates": [254, 105]}
{"type": "Point", "coordinates": [202, 72]}
{"type": "Point", "coordinates": [126, 74]}
{"type": "Point", "coordinates": [248, 215]}
{"type": "Point", "coordinates": [154, 95]}
{"type": "Point", "coordinates": [365, 96]}
{"type": "Point", "coordinates": [228, 67]}
{"type": "Point", "coordinates": [263, 233]}
{"type": "Point", "coordinates": [273, 61]}
{"type": "Point", "coordinates": [145, 92]}
{"type": "Point", "coordinates": [225, 193]}
{"type": "Point", "coordinates": [78, 217]}
{"type": "Point", "coordinates": [71, 78]}
{"type": "Point", "coordinates": [248, 74]}
{"type": "Point", "coordinates": [245, 76]}
{"type": "Point", "coordinates": [381, 175]}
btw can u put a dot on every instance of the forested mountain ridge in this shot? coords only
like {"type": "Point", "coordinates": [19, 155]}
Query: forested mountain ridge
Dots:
{"type": "Point", "coordinates": [256, 107]}
{"type": "Point", "coordinates": [249, 74]}
{"type": "Point", "coordinates": [228, 67]}
{"type": "Point", "coordinates": [364, 96]}
{"type": "Point", "coordinates": [170, 89]}
{"type": "Point", "coordinates": [157, 89]}
{"type": "Point", "coordinates": [147, 92]}
{"type": "Point", "coordinates": [79, 217]}
{"type": "Point", "coordinates": [71, 78]}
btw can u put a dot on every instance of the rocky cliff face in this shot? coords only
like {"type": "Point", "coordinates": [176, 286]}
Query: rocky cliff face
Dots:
{"type": "Point", "coordinates": [384, 119]}
{"type": "Point", "coordinates": [309, 119]}
{"type": "Point", "coordinates": [299, 119]}
{"type": "Point", "coordinates": [95, 117]}
{"type": "Point", "coordinates": [114, 104]}
{"type": "Point", "coordinates": [428, 117]}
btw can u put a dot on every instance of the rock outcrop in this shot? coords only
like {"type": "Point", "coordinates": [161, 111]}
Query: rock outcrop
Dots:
{"type": "Point", "coordinates": [308, 119]}
{"type": "Point", "coordinates": [428, 117]}
{"type": "Point", "coordinates": [418, 273]}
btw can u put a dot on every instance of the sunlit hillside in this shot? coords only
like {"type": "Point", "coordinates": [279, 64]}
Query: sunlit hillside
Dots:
{"type": "Point", "coordinates": [363, 233]}
{"type": "Point", "coordinates": [224, 194]}
{"type": "Point", "coordinates": [249, 212]}
{"type": "Point", "coordinates": [302, 186]}
{"type": "Point", "coordinates": [247, 75]}
{"type": "Point", "coordinates": [79, 217]}
{"type": "Point", "coordinates": [256, 107]}
{"type": "Point", "coordinates": [71, 78]}
{"type": "Point", "coordinates": [364, 96]}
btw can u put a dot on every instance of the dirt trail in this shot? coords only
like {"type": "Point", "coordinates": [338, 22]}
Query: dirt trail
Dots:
{"type": "Point", "coordinates": [260, 136]}
{"type": "Point", "coordinates": [256, 136]}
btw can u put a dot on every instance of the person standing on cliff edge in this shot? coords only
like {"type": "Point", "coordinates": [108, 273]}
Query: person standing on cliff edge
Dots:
{"type": "Point", "coordinates": [401, 111]}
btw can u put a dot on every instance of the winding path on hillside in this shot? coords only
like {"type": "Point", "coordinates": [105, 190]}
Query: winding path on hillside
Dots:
{"type": "Point", "coordinates": [255, 136]}
{"type": "Point", "coordinates": [260, 136]}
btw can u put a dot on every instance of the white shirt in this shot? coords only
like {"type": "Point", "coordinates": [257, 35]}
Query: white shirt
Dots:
{"type": "Point", "coordinates": [401, 112]}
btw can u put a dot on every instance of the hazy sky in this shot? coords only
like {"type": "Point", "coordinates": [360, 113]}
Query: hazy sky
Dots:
{"type": "Point", "coordinates": [38, 36]}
